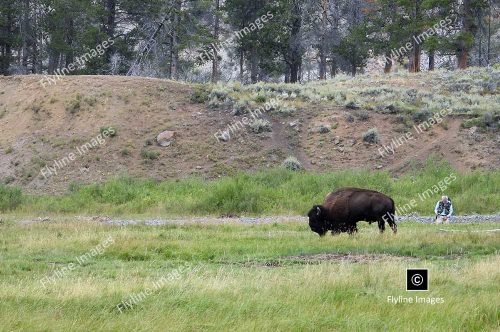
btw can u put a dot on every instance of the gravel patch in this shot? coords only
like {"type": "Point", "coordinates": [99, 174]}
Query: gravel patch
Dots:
{"type": "Point", "coordinates": [465, 219]}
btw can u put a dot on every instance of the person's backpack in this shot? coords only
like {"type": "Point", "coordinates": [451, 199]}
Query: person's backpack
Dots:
{"type": "Point", "coordinates": [442, 207]}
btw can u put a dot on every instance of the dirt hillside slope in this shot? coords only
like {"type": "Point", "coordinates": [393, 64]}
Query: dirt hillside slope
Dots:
{"type": "Point", "coordinates": [46, 128]}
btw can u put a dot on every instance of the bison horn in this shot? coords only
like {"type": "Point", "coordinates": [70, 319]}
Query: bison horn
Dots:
{"type": "Point", "coordinates": [318, 210]}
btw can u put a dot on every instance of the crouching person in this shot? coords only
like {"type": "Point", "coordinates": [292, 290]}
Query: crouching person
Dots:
{"type": "Point", "coordinates": [443, 210]}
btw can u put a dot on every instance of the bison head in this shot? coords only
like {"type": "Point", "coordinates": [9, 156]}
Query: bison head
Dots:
{"type": "Point", "coordinates": [317, 220]}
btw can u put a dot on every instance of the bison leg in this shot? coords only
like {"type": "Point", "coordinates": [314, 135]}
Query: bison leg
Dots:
{"type": "Point", "coordinates": [381, 225]}
{"type": "Point", "coordinates": [335, 232]}
{"type": "Point", "coordinates": [352, 229]}
{"type": "Point", "coordinates": [393, 225]}
{"type": "Point", "coordinates": [392, 222]}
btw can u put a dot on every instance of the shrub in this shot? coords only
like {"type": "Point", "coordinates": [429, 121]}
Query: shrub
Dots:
{"type": "Point", "coordinates": [215, 103]}
{"type": "Point", "coordinates": [349, 118]}
{"type": "Point", "coordinates": [286, 110]}
{"type": "Point", "coordinates": [489, 87]}
{"type": "Point", "coordinates": [199, 95]}
{"type": "Point", "coordinates": [75, 105]}
{"type": "Point", "coordinates": [91, 101]}
{"type": "Point", "coordinates": [324, 129]}
{"type": "Point", "coordinates": [421, 116]}
{"type": "Point", "coordinates": [475, 122]}
{"type": "Point", "coordinates": [352, 105]}
{"type": "Point", "coordinates": [36, 108]}
{"type": "Point", "coordinates": [371, 136]}
{"type": "Point", "coordinates": [10, 198]}
{"type": "Point", "coordinates": [260, 98]}
{"type": "Point", "coordinates": [311, 95]}
{"type": "Point", "coordinates": [109, 131]}
{"type": "Point", "coordinates": [362, 115]}
{"type": "Point", "coordinates": [9, 179]}
{"type": "Point", "coordinates": [149, 155]}
{"type": "Point", "coordinates": [292, 164]}
{"type": "Point", "coordinates": [461, 87]}
{"type": "Point", "coordinates": [260, 125]}
{"type": "Point", "coordinates": [486, 120]}
{"type": "Point", "coordinates": [241, 107]}
{"type": "Point", "coordinates": [220, 92]}
{"type": "Point", "coordinates": [489, 119]}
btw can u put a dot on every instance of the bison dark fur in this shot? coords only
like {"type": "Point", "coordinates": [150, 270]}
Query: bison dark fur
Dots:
{"type": "Point", "coordinates": [343, 208]}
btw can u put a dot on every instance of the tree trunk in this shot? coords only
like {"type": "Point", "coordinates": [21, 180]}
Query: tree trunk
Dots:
{"type": "Point", "coordinates": [36, 58]}
{"type": "Point", "coordinates": [254, 66]}
{"type": "Point", "coordinates": [242, 63]}
{"type": "Point", "coordinates": [415, 58]}
{"type": "Point", "coordinates": [37, 39]}
{"type": "Point", "coordinates": [53, 61]}
{"type": "Point", "coordinates": [414, 66]}
{"type": "Point", "coordinates": [388, 63]}
{"type": "Point", "coordinates": [467, 29]}
{"type": "Point", "coordinates": [25, 27]}
{"type": "Point", "coordinates": [323, 45]}
{"type": "Point", "coordinates": [333, 66]}
{"type": "Point", "coordinates": [215, 60]}
{"type": "Point", "coordinates": [174, 42]}
{"type": "Point", "coordinates": [295, 42]}
{"type": "Point", "coordinates": [432, 56]}
{"type": "Point", "coordinates": [322, 64]}
{"type": "Point", "coordinates": [69, 27]}
{"type": "Point", "coordinates": [110, 26]}
{"type": "Point", "coordinates": [488, 48]}
{"type": "Point", "coordinates": [6, 48]}
{"type": "Point", "coordinates": [294, 73]}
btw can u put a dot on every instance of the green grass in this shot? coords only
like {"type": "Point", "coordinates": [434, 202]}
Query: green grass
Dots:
{"type": "Point", "coordinates": [241, 277]}
{"type": "Point", "coordinates": [271, 192]}
{"type": "Point", "coordinates": [10, 198]}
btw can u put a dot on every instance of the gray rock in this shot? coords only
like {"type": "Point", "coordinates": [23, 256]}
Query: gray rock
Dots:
{"type": "Point", "coordinates": [166, 138]}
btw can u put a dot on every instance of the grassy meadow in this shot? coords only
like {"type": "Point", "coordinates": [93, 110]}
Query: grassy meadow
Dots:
{"type": "Point", "coordinates": [245, 277]}
{"type": "Point", "coordinates": [268, 192]}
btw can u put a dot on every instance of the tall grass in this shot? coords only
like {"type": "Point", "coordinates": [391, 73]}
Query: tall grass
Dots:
{"type": "Point", "coordinates": [245, 278]}
{"type": "Point", "coordinates": [272, 192]}
{"type": "Point", "coordinates": [10, 198]}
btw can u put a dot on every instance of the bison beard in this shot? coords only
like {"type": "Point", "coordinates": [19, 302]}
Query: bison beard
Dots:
{"type": "Point", "coordinates": [343, 208]}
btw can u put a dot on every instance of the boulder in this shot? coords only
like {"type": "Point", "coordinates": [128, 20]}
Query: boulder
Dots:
{"type": "Point", "coordinates": [166, 138]}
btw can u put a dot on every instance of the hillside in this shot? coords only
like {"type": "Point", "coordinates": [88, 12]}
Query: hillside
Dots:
{"type": "Point", "coordinates": [321, 123]}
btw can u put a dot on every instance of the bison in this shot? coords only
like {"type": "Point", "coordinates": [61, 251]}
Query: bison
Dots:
{"type": "Point", "coordinates": [343, 208]}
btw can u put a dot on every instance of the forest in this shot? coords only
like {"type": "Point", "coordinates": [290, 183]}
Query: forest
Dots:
{"type": "Point", "coordinates": [248, 41]}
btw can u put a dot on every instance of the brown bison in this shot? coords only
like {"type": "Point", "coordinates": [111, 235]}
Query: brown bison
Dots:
{"type": "Point", "coordinates": [343, 208]}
